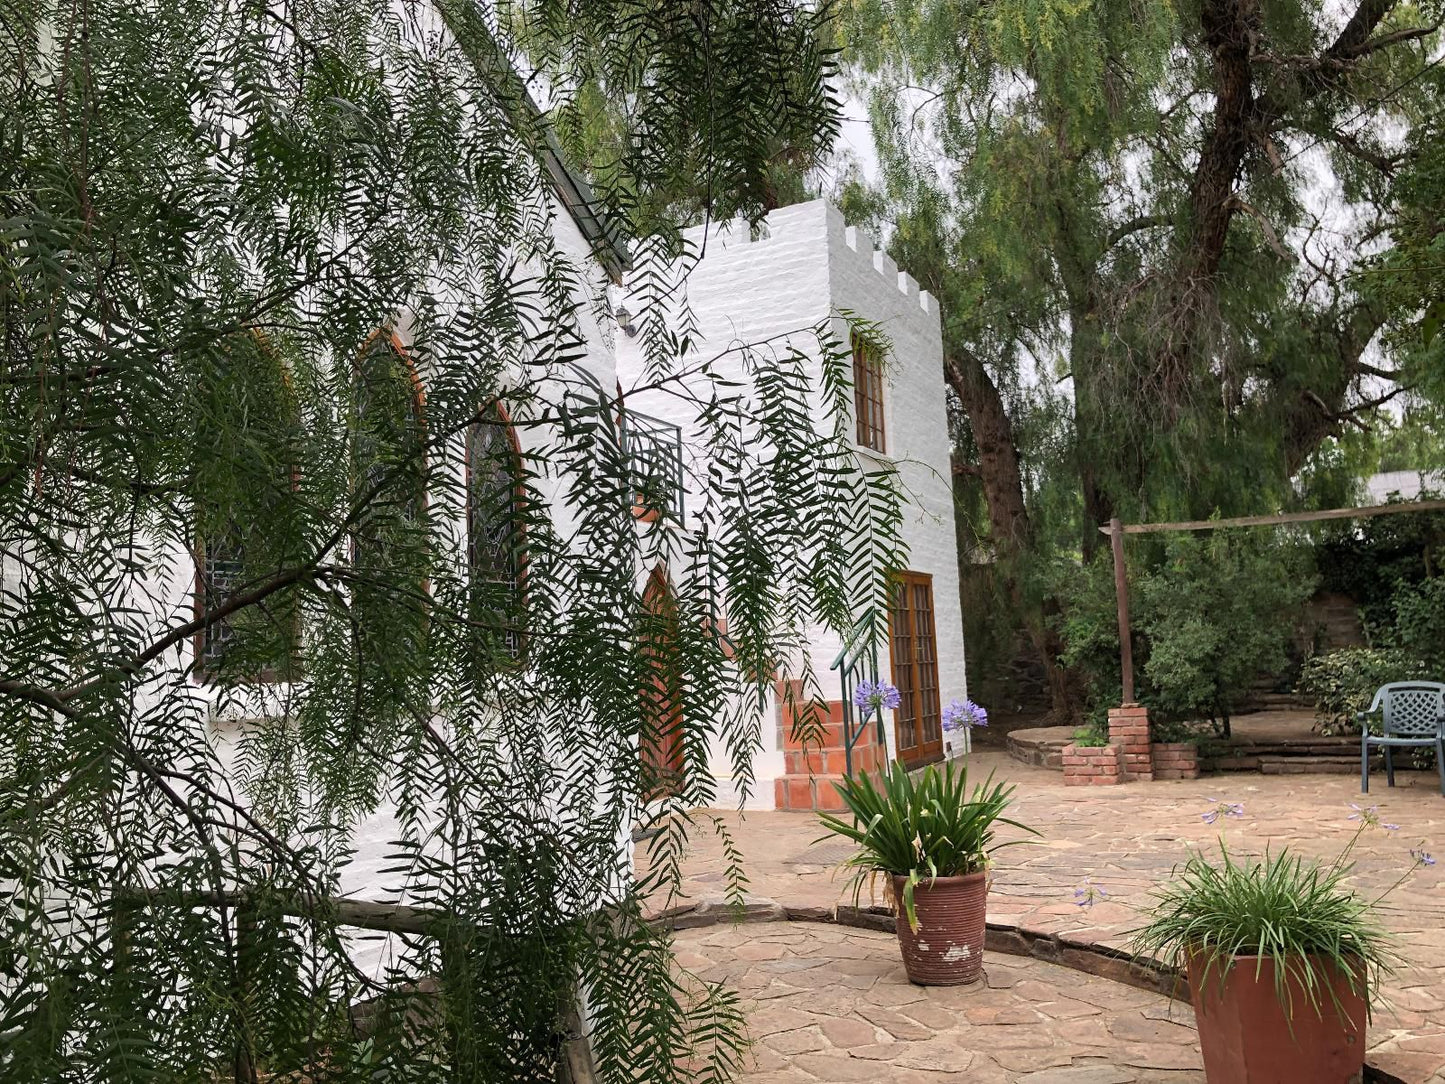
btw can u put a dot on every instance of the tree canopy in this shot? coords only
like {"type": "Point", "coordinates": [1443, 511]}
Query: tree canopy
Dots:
{"type": "Point", "coordinates": [283, 299]}
{"type": "Point", "coordinates": [1180, 248]}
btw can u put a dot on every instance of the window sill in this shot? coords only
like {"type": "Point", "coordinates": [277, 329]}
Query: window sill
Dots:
{"type": "Point", "coordinates": [882, 459]}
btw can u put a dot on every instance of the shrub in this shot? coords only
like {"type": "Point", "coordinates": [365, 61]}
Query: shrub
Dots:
{"type": "Point", "coordinates": [1341, 683]}
{"type": "Point", "coordinates": [1220, 612]}
{"type": "Point", "coordinates": [1212, 614]}
{"type": "Point", "coordinates": [1419, 625]}
{"type": "Point", "coordinates": [1092, 736]}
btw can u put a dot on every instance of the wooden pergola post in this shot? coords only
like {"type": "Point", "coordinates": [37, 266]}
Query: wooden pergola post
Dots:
{"type": "Point", "coordinates": [1121, 592]}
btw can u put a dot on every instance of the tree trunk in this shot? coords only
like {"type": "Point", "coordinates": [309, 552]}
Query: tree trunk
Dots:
{"type": "Point", "coordinates": [1010, 527]}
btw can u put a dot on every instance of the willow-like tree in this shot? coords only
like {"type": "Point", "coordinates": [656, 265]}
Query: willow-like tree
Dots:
{"type": "Point", "coordinates": [1161, 206]}
{"type": "Point", "coordinates": [213, 216]}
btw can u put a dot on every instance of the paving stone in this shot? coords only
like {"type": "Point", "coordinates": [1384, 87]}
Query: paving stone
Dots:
{"type": "Point", "coordinates": [799, 1041]}
{"type": "Point", "coordinates": [1159, 1056]}
{"type": "Point", "coordinates": [837, 1067]}
{"type": "Point", "coordinates": [1079, 1074]}
{"type": "Point", "coordinates": [1138, 1029]}
{"type": "Point", "coordinates": [936, 1055]}
{"type": "Point", "coordinates": [847, 1032]}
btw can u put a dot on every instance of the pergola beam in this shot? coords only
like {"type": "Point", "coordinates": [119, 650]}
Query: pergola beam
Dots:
{"type": "Point", "coordinates": [1280, 518]}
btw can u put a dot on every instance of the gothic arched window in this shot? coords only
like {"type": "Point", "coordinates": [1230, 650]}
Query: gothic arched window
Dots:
{"type": "Point", "coordinates": [496, 532]}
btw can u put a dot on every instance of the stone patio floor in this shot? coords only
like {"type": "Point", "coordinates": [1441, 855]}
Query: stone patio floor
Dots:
{"type": "Point", "coordinates": [1124, 840]}
{"type": "Point", "coordinates": [830, 1003]}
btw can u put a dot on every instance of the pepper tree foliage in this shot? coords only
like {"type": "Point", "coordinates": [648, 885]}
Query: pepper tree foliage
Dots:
{"type": "Point", "coordinates": [269, 274]}
{"type": "Point", "coordinates": [1161, 212]}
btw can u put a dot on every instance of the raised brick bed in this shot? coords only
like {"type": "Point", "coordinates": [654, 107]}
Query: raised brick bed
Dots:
{"type": "Point", "coordinates": [1093, 765]}
{"type": "Point", "coordinates": [1176, 760]}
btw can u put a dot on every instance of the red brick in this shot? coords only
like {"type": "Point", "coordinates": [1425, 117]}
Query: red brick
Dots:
{"type": "Point", "coordinates": [828, 798]}
{"type": "Point", "coordinates": [800, 792]}
{"type": "Point", "coordinates": [780, 793]}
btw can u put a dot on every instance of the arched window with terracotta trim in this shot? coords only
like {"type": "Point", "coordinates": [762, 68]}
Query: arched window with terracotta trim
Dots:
{"type": "Point", "coordinates": [389, 439]}
{"type": "Point", "coordinates": [660, 738]}
{"type": "Point", "coordinates": [251, 382]}
{"type": "Point", "coordinates": [391, 546]}
{"type": "Point", "coordinates": [496, 529]}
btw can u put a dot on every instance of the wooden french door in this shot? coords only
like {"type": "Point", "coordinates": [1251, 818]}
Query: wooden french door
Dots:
{"type": "Point", "coordinates": [918, 724]}
{"type": "Point", "coordinates": [660, 742]}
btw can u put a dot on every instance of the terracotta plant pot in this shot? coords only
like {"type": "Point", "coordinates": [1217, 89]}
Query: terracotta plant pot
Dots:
{"type": "Point", "coordinates": [1249, 1036]}
{"type": "Point", "coordinates": [947, 947]}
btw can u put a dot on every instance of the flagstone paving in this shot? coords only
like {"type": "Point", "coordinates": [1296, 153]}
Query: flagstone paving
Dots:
{"type": "Point", "coordinates": [1125, 840]}
{"type": "Point", "coordinates": [829, 1003]}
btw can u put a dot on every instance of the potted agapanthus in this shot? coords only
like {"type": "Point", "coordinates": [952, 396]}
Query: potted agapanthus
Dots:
{"type": "Point", "coordinates": [1283, 959]}
{"type": "Point", "coordinates": [931, 838]}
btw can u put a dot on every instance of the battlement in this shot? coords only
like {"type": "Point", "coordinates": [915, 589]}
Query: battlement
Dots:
{"type": "Point", "coordinates": [786, 223]}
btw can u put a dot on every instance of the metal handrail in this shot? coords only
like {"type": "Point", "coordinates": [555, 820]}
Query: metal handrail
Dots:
{"type": "Point", "coordinates": [848, 666]}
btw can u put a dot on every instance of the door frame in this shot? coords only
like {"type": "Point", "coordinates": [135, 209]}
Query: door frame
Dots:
{"type": "Point", "coordinates": [912, 688]}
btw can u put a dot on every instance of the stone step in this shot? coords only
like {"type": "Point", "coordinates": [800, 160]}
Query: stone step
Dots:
{"type": "Point", "coordinates": [1308, 765]}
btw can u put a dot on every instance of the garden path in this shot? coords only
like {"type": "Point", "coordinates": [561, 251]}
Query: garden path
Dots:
{"type": "Point", "coordinates": [1125, 840]}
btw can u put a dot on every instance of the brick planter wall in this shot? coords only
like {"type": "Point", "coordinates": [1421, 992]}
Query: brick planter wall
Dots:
{"type": "Point", "coordinates": [1129, 730]}
{"type": "Point", "coordinates": [1176, 760]}
{"type": "Point", "coordinates": [1093, 766]}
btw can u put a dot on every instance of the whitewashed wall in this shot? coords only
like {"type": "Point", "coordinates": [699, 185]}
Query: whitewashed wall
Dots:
{"type": "Point", "coordinates": [803, 267]}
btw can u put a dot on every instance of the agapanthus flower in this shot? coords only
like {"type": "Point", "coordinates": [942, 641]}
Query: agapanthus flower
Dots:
{"type": "Point", "coordinates": [871, 696]}
{"type": "Point", "coordinates": [962, 714]}
{"type": "Point", "coordinates": [1222, 809]}
{"type": "Point", "coordinates": [1368, 815]}
{"type": "Point", "coordinates": [1422, 856]}
{"type": "Point", "coordinates": [1088, 894]}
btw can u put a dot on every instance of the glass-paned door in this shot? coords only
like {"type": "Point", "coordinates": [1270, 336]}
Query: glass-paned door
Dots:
{"type": "Point", "coordinates": [918, 724]}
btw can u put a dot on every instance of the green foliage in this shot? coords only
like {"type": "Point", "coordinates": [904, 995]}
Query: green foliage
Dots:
{"type": "Point", "coordinates": [1342, 683]}
{"type": "Point", "coordinates": [1143, 278]}
{"type": "Point", "coordinates": [1371, 559]}
{"type": "Point", "coordinates": [1214, 613]}
{"type": "Point", "coordinates": [212, 218]}
{"type": "Point", "coordinates": [920, 829]}
{"type": "Point", "coordinates": [1418, 629]}
{"type": "Point", "coordinates": [1093, 736]}
{"type": "Point", "coordinates": [1296, 912]}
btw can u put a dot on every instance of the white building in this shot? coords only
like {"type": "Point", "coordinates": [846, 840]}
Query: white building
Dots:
{"type": "Point", "coordinates": [805, 267]}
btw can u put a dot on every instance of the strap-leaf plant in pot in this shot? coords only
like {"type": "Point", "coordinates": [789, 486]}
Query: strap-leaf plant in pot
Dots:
{"type": "Point", "coordinates": [931, 839]}
{"type": "Point", "coordinates": [1283, 958]}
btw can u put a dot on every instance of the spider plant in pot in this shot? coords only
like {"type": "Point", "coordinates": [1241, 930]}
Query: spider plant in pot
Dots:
{"type": "Point", "coordinates": [1283, 960]}
{"type": "Point", "coordinates": [931, 839]}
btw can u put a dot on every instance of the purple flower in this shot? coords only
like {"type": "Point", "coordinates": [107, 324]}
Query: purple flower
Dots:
{"type": "Point", "coordinates": [871, 696]}
{"type": "Point", "coordinates": [1422, 857]}
{"type": "Point", "coordinates": [962, 714]}
{"type": "Point", "coordinates": [1088, 894]}
{"type": "Point", "coordinates": [1222, 809]}
{"type": "Point", "coordinates": [1365, 814]}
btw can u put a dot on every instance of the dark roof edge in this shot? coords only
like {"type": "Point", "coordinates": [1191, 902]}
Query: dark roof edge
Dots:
{"type": "Point", "coordinates": [495, 69]}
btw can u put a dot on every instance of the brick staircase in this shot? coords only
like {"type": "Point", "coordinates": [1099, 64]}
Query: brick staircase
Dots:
{"type": "Point", "coordinates": [812, 773]}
